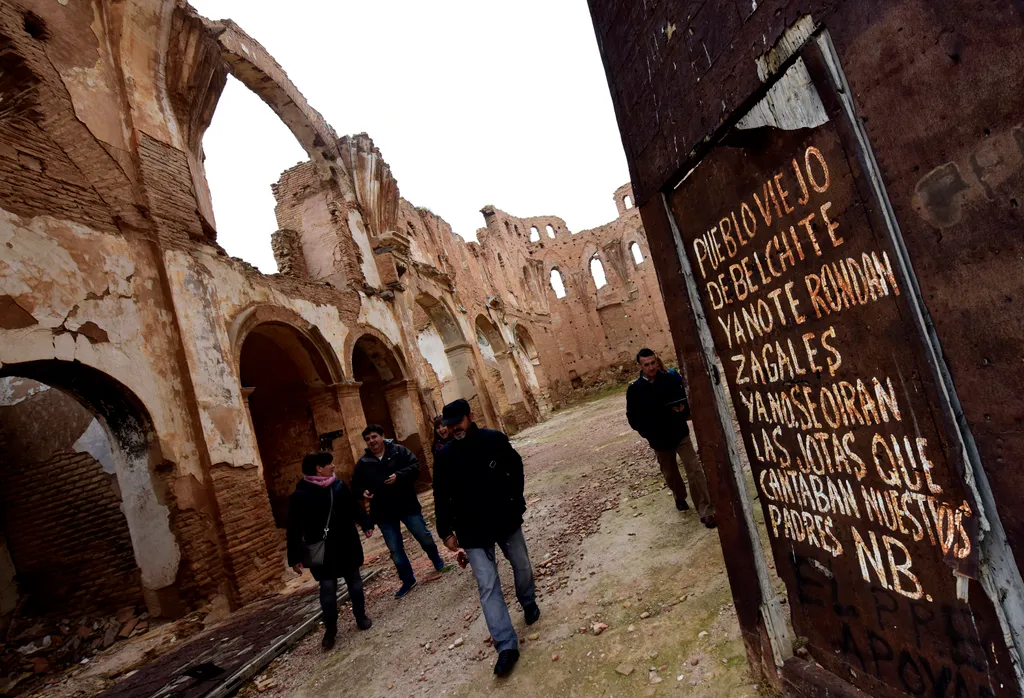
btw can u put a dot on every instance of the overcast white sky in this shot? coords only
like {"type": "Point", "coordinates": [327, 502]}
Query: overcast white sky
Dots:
{"type": "Point", "coordinates": [471, 102]}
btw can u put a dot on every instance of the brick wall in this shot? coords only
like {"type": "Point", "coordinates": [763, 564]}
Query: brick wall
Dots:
{"type": "Point", "coordinates": [253, 539]}
{"type": "Point", "coordinates": [67, 535]}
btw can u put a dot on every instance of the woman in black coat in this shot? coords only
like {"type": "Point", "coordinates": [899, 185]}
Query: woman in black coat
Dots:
{"type": "Point", "coordinates": [320, 494]}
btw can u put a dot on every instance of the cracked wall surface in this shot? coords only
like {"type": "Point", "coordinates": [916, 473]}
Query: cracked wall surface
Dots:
{"type": "Point", "coordinates": [114, 291]}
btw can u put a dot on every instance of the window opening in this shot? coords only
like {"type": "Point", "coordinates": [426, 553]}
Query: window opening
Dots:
{"type": "Point", "coordinates": [627, 202]}
{"type": "Point", "coordinates": [534, 234]}
{"type": "Point", "coordinates": [551, 231]}
{"type": "Point", "coordinates": [597, 271]}
{"type": "Point", "coordinates": [638, 256]}
{"type": "Point", "coordinates": [556, 283]}
{"type": "Point", "coordinates": [243, 204]}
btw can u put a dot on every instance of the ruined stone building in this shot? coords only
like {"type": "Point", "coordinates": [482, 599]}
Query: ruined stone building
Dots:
{"type": "Point", "coordinates": [157, 396]}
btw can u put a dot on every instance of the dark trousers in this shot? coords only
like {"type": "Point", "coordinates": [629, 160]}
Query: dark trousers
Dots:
{"type": "Point", "coordinates": [694, 473]}
{"type": "Point", "coordinates": [329, 598]}
{"type": "Point", "coordinates": [392, 532]}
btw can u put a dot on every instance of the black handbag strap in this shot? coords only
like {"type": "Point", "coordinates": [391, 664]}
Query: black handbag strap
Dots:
{"type": "Point", "coordinates": [330, 510]}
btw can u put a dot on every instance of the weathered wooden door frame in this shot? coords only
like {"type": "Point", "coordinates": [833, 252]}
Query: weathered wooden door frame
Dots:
{"type": "Point", "coordinates": [999, 574]}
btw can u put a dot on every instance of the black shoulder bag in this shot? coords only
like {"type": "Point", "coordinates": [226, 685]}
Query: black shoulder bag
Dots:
{"type": "Point", "coordinates": [314, 552]}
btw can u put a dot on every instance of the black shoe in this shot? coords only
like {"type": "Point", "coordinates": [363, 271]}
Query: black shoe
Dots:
{"type": "Point", "coordinates": [364, 623]}
{"type": "Point", "coordinates": [709, 521]}
{"type": "Point", "coordinates": [681, 505]}
{"type": "Point", "coordinates": [406, 588]}
{"type": "Point", "coordinates": [532, 614]}
{"type": "Point", "coordinates": [330, 633]}
{"type": "Point", "coordinates": [506, 661]}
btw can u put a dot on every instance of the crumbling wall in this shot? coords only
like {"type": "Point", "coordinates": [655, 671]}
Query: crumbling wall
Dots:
{"type": "Point", "coordinates": [599, 331]}
{"type": "Point", "coordinates": [113, 286]}
{"type": "Point", "coordinates": [61, 506]}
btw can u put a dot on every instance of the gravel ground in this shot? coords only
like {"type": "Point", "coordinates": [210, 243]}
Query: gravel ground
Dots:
{"type": "Point", "coordinates": [608, 548]}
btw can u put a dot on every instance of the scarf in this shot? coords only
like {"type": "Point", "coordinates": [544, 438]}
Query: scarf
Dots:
{"type": "Point", "coordinates": [319, 480]}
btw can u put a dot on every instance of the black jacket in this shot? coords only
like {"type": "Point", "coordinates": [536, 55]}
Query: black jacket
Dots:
{"type": "Point", "coordinates": [478, 488]}
{"type": "Point", "coordinates": [307, 514]}
{"type": "Point", "coordinates": [648, 413]}
{"type": "Point", "coordinates": [390, 502]}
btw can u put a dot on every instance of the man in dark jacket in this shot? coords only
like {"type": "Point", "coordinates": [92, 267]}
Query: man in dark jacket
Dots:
{"type": "Point", "coordinates": [323, 508]}
{"type": "Point", "coordinates": [478, 501]}
{"type": "Point", "coordinates": [656, 407]}
{"type": "Point", "coordinates": [386, 476]}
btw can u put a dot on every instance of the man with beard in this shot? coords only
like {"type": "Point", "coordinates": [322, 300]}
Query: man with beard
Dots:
{"type": "Point", "coordinates": [479, 502]}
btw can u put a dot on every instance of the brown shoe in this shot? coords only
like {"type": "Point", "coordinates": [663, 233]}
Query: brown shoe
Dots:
{"type": "Point", "coordinates": [709, 521]}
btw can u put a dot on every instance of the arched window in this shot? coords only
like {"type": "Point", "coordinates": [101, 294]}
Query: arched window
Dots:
{"type": "Point", "coordinates": [551, 231]}
{"type": "Point", "coordinates": [556, 283]}
{"type": "Point", "coordinates": [627, 201]}
{"type": "Point", "coordinates": [597, 271]}
{"type": "Point", "coordinates": [638, 256]}
{"type": "Point", "coordinates": [534, 234]}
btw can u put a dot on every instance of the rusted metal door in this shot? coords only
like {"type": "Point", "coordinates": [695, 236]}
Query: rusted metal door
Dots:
{"type": "Point", "coordinates": [798, 277]}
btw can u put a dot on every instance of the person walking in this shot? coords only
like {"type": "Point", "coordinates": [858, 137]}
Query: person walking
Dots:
{"type": "Point", "coordinates": [657, 408]}
{"type": "Point", "coordinates": [322, 536]}
{"type": "Point", "coordinates": [386, 476]}
{"type": "Point", "coordinates": [479, 502]}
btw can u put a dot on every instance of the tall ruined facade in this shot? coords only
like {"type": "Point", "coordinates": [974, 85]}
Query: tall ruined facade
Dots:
{"type": "Point", "coordinates": [831, 191]}
{"type": "Point", "coordinates": [156, 395]}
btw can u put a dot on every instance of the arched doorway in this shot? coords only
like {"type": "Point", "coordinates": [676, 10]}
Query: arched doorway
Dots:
{"type": "Point", "coordinates": [386, 396]}
{"type": "Point", "coordinates": [502, 379]}
{"type": "Point", "coordinates": [444, 346]}
{"type": "Point", "coordinates": [288, 381]}
{"type": "Point", "coordinates": [529, 361]}
{"type": "Point", "coordinates": [84, 531]}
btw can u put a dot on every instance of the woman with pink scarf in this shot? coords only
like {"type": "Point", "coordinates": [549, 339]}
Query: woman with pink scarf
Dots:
{"type": "Point", "coordinates": [322, 508]}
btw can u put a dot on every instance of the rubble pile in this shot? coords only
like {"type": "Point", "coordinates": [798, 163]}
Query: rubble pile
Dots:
{"type": "Point", "coordinates": [601, 492]}
{"type": "Point", "coordinates": [34, 647]}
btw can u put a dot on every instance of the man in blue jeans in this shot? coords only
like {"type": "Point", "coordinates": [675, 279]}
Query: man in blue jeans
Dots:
{"type": "Point", "coordinates": [386, 476]}
{"type": "Point", "coordinates": [479, 503]}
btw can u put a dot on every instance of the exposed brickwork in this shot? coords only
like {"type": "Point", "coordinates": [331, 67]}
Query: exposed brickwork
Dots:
{"type": "Point", "coordinates": [67, 534]}
{"type": "Point", "coordinates": [249, 528]}
{"type": "Point", "coordinates": [287, 249]}
{"type": "Point", "coordinates": [172, 200]}
{"type": "Point", "coordinates": [60, 512]}
{"type": "Point", "coordinates": [201, 572]}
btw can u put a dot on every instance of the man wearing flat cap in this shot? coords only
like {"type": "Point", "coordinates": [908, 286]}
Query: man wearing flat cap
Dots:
{"type": "Point", "coordinates": [479, 503]}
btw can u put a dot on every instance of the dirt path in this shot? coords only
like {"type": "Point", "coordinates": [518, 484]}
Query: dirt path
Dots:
{"type": "Point", "coordinates": [608, 547]}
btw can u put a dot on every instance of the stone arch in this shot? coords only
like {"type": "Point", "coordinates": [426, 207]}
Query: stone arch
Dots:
{"type": "Point", "coordinates": [326, 359]}
{"type": "Point", "coordinates": [443, 318]}
{"type": "Point", "coordinates": [443, 344]}
{"type": "Point", "coordinates": [86, 441]}
{"type": "Point", "coordinates": [289, 375]}
{"type": "Point", "coordinates": [557, 281]}
{"type": "Point", "coordinates": [395, 360]}
{"type": "Point", "coordinates": [386, 396]}
{"type": "Point", "coordinates": [502, 373]}
{"type": "Point", "coordinates": [636, 253]}
{"type": "Point", "coordinates": [530, 363]}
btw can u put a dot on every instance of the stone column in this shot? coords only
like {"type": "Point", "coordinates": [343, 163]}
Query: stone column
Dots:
{"type": "Point", "coordinates": [509, 379]}
{"type": "Point", "coordinates": [401, 406]}
{"type": "Point", "coordinates": [460, 358]}
{"type": "Point", "coordinates": [328, 419]}
{"type": "Point", "coordinates": [347, 393]}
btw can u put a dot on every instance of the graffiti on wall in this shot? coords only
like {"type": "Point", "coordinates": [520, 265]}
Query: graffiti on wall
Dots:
{"type": "Point", "coordinates": [862, 493]}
